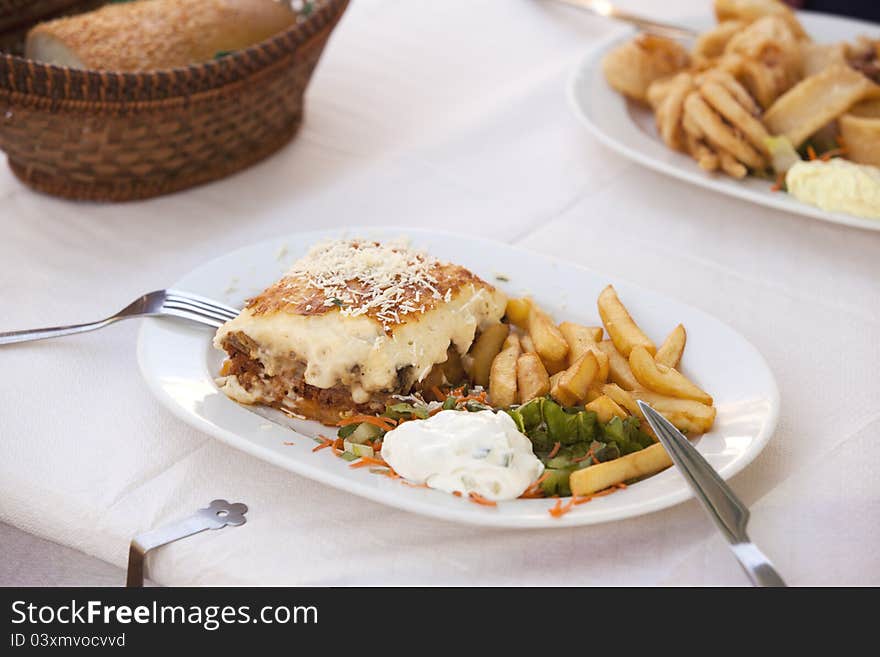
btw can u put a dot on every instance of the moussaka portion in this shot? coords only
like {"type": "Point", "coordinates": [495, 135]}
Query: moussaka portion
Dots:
{"type": "Point", "coordinates": [353, 324]}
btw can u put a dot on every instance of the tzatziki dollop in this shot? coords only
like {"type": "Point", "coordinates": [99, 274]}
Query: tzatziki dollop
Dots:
{"type": "Point", "coordinates": [480, 452]}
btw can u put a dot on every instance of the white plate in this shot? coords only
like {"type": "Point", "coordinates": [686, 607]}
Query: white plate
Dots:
{"type": "Point", "coordinates": [179, 364]}
{"type": "Point", "coordinates": [628, 127]}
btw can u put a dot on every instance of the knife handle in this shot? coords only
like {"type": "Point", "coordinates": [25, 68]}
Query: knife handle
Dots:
{"type": "Point", "coordinates": [757, 566]}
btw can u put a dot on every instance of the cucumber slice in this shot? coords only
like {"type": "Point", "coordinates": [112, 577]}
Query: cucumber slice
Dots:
{"type": "Point", "coordinates": [357, 449]}
{"type": "Point", "coordinates": [364, 433]}
{"type": "Point", "coordinates": [556, 482]}
{"type": "Point", "coordinates": [560, 462]}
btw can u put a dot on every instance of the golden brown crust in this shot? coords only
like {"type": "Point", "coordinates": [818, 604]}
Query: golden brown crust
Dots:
{"type": "Point", "coordinates": [294, 295]}
{"type": "Point", "coordinates": [155, 34]}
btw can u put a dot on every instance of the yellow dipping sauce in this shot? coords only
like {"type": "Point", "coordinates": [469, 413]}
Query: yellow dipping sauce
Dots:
{"type": "Point", "coordinates": [837, 185]}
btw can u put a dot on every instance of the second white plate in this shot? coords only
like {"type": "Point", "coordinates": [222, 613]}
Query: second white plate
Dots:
{"type": "Point", "coordinates": [179, 364]}
{"type": "Point", "coordinates": [628, 127]}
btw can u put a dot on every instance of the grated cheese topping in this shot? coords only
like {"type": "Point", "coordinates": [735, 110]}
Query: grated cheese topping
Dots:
{"type": "Point", "coordinates": [387, 280]}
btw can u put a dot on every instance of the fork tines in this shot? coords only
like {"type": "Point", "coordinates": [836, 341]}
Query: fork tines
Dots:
{"type": "Point", "coordinates": [197, 305]}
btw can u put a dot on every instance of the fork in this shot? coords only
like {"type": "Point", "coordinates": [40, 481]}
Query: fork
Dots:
{"type": "Point", "coordinates": [161, 302]}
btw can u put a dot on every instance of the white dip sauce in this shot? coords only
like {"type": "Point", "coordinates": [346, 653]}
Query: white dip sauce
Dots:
{"type": "Point", "coordinates": [837, 185]}
{"type": "Point", "coordinates": [452, 451]}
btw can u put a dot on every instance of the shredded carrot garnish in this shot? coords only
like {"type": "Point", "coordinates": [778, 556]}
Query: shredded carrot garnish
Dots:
{"type": "Point", "coordinates": [327, 443]}
{"type": "Point", "coordinates": [368, 460]}
{"type": "Point", "coordinates": [437, 393]}
{"type": "Point", "coordinates": [457, 493]}
{"type": "Point", "coordinates": [777, 186]}
{"type": "Point", "coordinates": [382, 422]}
{"type": "Point", "coordinates": [533, 491]}
{"type": "Point", "coordinates": [540, 480]}
{"type": "Point", "coordinates": [555, 450]}
{"type": "Point", "coordinates": [478, 398]}
{"type": "Point", "coordinates": [603, 493]}
{"type": "Point", "coordinates": [811, 152]}
{"type": "Point", "coordinates": [287, 442]}
{"type": "Point", "coordinates": [561, 509]}
{"type": "Point", "coordinates": [532, 495]}
{"type": "Point", "coordinates": [834, 152]}
{"type": "Point", "coordinates": [479, 499]}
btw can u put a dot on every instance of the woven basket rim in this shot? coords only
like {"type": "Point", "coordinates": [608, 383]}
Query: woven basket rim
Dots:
{"type": "Point", "coordinates": [227, 70]}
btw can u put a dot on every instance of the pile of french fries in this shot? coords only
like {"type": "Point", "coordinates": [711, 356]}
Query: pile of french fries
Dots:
{"type": "Point", "coordinates": [531, 356]}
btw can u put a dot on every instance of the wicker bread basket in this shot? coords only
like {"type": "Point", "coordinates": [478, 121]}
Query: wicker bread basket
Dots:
{"type": "Point", "coordinates": [112, 136]}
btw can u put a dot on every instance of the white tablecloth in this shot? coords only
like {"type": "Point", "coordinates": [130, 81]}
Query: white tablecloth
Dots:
{"type": "Point", "coordinates": [438, 114]}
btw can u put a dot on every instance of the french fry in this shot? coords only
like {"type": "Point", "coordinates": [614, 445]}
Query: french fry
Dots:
{"type": "Point", "coordinates": [670, 351]}
{"type": "Point", "coordinates": [685, 414]}
{"type": "Point", "coordinates": [549, 343]}
{"type": "Point", "coordinates": [665, 380]}
{"type": "Point", "coordinates": [502, 375]}
{"type": "Point", "coordinates": [571, 385]}
{"type": "Point", "coordinates": [518, 312]}
{"type": "Point", "coordinates": [598, 477]}
{"type": "Point", "coordinates": [579, 337]}
{"type": "Point", "coordinates": [622, 398]}
{"type": "Point", "coordinates": [484, 350]}
{"type": "Point", "coordinates": [555, 366]}
{"type": "Point", "coordinates": [531, 378]}
{"type": "Point", "coordinates": [527, 345]}
{"type": "Point", "coordinates": [618, 367]}
{"type": "Point", "coordinates": [605, 408]}
{"type": "Point", "coordinates": [624, 332]}
{"type": "Point", "coordinates": [582, 339]}
{"type": "Point", "coordinates": [625, 400]}
{"type": "Point", "coordinates": [593, 393]}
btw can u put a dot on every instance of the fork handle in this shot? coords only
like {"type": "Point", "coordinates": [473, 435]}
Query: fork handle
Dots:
{"type": "Point", "coordinates": [27, 335]}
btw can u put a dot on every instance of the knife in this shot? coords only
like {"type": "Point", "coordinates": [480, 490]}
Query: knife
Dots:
{"type": "Point", "coordinates": [729, 514]}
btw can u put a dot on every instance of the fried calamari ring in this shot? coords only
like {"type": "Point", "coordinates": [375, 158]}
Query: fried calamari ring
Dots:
{"type": "Point", "coordinates": [670, 110]}
{"type": "Point", "coordinates": [723, 102]}
{"type": "Point", "coordinates": [633, 66]}
{"type": "Point", "coordinates": [719, 134]}
{"type": "Point", "coordinates": [705, 157]}
{"type": "Point", "coordinates": [730, 166]}
{"type": "Point", "coordinates": [711, 44]}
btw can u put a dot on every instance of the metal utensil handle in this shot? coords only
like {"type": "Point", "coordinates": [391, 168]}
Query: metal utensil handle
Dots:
{"type": "Point", "coordinates": [723, 506]}
{"type": "Point", "coordinates": [757, 566]}
{"type": "Point", "coordinates": [608, 10]}
{"type": "Point", "coordinates": [27, 335]}
{"type": "Point", "coordinates": [721, 503]}
{"type": "Point", "coordinates": [217, 515]}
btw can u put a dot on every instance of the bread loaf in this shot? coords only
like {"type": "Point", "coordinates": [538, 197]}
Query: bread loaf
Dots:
{"type": "Point", "coordinates": [151, 34]}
